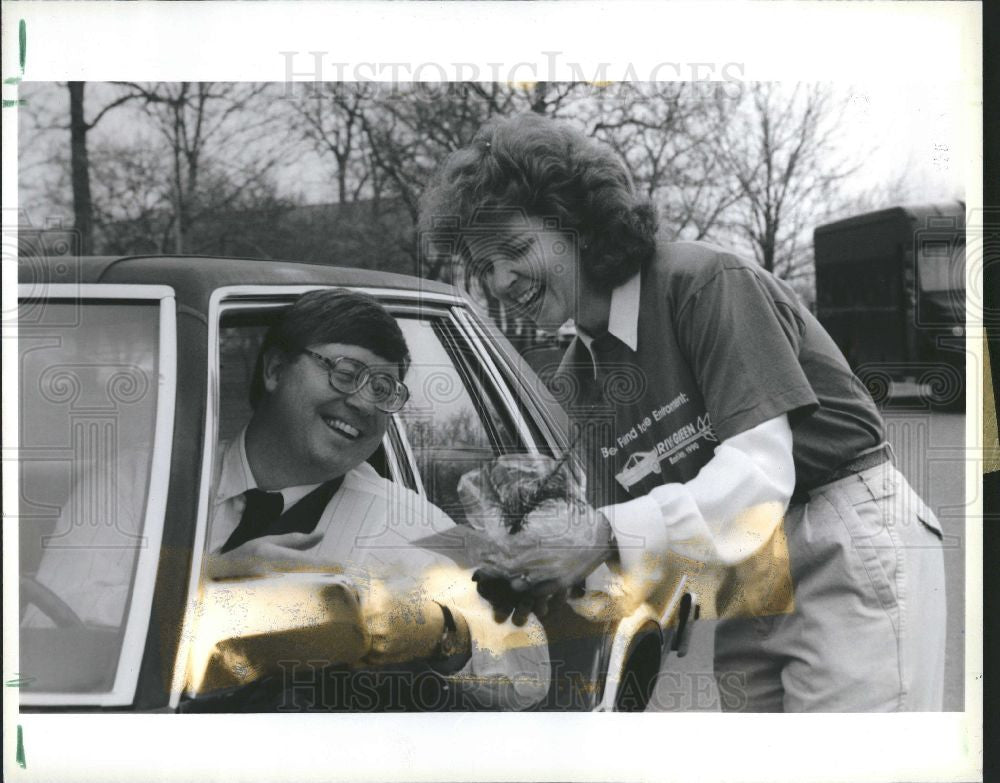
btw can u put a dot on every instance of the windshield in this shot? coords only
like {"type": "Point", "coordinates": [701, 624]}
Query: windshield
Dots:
{"type": "Point", "coordinates": [88, 393]}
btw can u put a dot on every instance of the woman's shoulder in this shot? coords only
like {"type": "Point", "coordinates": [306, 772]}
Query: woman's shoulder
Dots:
{"type": "Point", "coordinates": [696, 259]}
{"type": "Point", "coordinates": [681, 269]}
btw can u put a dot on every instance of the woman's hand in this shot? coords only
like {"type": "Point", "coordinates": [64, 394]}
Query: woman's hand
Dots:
{"type": "Point", "coordinates": [541, 575]}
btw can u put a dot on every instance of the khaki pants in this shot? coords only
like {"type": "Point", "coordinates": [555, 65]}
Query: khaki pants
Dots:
{"type": "Point", "coordinates": [867, 632]}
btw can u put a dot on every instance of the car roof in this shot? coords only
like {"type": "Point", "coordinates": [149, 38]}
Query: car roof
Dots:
{"type": "Point", "coordinates": [194, 278]}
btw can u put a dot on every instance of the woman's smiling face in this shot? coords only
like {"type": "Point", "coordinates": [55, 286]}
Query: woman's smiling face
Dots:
{"type": "Point", "coordinates": [533, 270]}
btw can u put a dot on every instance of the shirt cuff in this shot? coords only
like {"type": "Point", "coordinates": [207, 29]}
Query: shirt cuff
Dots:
{"type": "Point", "coordinates": [640, 531]}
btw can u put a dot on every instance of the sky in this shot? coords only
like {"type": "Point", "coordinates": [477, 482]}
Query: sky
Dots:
{"type": "Point", "coordinates": [912, 128]}
{"type": "Point", "coordinates": [896, 129]}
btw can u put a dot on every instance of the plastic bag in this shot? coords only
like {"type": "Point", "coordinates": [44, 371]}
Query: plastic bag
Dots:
{"type": "Point", "coordinates": [530, 514]}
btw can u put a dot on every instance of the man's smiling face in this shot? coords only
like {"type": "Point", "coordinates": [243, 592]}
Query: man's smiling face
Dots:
{"type": "Point", "coordinates": [324, 432]}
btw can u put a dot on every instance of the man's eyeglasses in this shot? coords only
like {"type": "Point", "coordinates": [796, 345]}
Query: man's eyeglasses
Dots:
{"type": "Point", "coordinates": [350, 376]}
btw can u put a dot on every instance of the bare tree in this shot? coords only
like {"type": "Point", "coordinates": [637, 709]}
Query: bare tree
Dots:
{"type": "Point", "coordinates": [79, 128]}
{"type": "Point", "coordinates": [83, 205]}
{"type": "Point", "coordinates": [330, 118]}
{"type": "Point", "coordinates": [133, 204]}
{"type": "Point", "coordinates": [780, 150]}
{"type": "Point", "coordinates": [132, 197]}
{"type": "Point", "coordinates": [409, 132]}
{"type": "Point", "coordinates": [384, 142]}
{"type": "Point", "coordinates": [414, 127]}
{"type": "Point", "coordinates": [52, 174]}
{"type": "Point", "coordinates": [551, 98]}
{"type": "Point", "coordinates": [663, 133]}
{"type": "Point", "coordinates": [201, 121]}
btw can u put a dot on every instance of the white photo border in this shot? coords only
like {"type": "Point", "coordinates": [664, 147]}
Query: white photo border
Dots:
{"type": "Point", "coordinates": [914, 42]}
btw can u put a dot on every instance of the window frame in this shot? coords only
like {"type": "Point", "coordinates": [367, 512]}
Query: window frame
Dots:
{"type": "Point", "coordinates": [469, 325]}
{"type": "Point", "coordinates": [464, 353]}
{"type": "Point", "coordinates": [138, 614]}
{"type": "Point", "coordinates": [223, 300]}
{"type": "Point", "coordinates": [450, 332]}
{"type": "Point", "coordinates": [555, 437]}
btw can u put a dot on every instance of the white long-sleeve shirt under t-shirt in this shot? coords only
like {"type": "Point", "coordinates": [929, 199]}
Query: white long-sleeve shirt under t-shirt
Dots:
{"type": "Point", "coordinates": [729, 509]}
{"type": "Point", "coordinates": [722, 515]}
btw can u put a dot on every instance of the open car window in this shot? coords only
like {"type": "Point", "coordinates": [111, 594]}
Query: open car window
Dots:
{"type": "Point", "coordinates": [454, 421]}
{"type": "Point", "coordinates": [96, 406]}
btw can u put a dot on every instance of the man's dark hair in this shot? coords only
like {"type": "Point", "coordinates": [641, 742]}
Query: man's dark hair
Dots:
{"type": "Point", "coordinates": [548, 169]}
{"type": "Point", "coordinates": [332, 315]}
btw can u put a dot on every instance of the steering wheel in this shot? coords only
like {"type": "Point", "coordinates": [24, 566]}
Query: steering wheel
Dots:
{"type": "Point", "coordinates": [51, 605]}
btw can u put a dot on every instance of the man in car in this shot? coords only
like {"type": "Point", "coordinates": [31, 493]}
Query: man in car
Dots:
{"type": "Point", "coordinates": [294, 491]}
{"type": "Point", "coordinates": [328, 377]}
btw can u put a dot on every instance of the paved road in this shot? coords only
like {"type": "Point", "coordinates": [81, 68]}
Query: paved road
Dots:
{"type": "Point", "coordinates": [930, 453]}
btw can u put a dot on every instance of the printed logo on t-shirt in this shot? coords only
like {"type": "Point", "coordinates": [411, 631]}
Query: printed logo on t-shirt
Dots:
{"type": "Point", "coordinates": [677, 446]}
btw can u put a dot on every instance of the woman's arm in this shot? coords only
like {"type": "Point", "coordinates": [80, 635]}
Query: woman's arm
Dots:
{"type": "Point", "coordinates": [722, 515]}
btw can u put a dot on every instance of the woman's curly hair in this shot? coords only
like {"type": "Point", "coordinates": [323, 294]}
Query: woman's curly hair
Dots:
{"type": "Point", "coordinates": [548, 169]}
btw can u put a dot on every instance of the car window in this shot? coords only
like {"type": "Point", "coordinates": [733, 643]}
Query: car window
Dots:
{"type": "Point", "coordinates": [239, 343]}
{"type": "Point", "coordinates": [88, 405]}
{"type": "Point", "coordinates": [453, 421]}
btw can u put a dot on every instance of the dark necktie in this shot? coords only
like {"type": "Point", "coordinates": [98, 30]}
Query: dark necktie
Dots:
{"type": "Point", "coordinates": [262, 514]}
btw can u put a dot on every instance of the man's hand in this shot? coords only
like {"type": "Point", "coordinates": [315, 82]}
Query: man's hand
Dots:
{"type": "Point", "coordinates": [268, 555]}
{"type": "Point", "coordinates": [405, 626]}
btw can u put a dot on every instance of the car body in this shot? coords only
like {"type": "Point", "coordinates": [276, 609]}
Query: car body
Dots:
{"type": "Point", "coordinates": [142, 364]}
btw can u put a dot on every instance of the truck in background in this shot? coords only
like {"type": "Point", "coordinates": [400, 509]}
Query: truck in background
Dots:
{"type": "Point", "coordinates": [890, 290]}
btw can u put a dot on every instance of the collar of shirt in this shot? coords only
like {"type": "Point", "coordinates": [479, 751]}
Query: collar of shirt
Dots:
{"type": "Point", "coordinates": [623, 317]}
{"type": "Point", "coordinates": [235, 476]}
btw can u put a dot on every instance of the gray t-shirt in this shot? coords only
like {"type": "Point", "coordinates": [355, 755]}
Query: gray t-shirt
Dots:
{"type": "Point", "coordinates": [722, 346]}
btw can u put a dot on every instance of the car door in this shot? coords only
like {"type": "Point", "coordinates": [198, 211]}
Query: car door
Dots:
{"type": "Point", "coordinates": [600, 660]}
{"type": "Point", "coordinates": [457, 417]}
